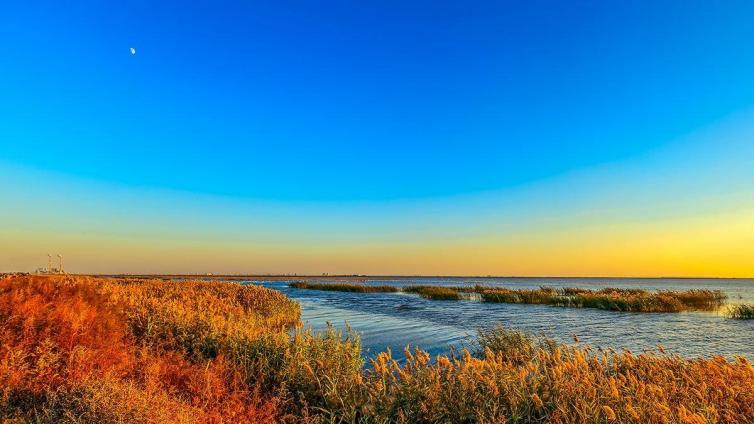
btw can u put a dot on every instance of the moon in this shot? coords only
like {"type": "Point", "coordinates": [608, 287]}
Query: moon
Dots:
{"type": "Point", "coordinates": [133, 50]}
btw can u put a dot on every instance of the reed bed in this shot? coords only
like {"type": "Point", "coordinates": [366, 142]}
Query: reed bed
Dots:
{"type": "Point", "coordinates": [434, 293]}
{"type": "Point", "coordinates": [612, 299]}
{"type": "Point", "coordinates": [460, 289]}
{"type": "Point", "coordinates": [77, 349]}
{"type": "Point", "coordinates": [532, 379]}
{"type": "Point", "coordinates": [95, 350]}
{"type": "Point", "coordinates": [517, 378]}
{"type": "Point", "coordinates": [741, 311]}
{"type": "Point", "coordinates": [343, 287]}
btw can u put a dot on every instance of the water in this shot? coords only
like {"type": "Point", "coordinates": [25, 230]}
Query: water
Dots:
{"type": "Point", "coordinates": [395, 320]}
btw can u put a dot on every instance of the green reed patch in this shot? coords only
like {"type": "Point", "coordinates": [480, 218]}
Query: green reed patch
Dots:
{"type": "Point", "coordinates": [612, 299]}
{"type": "Point", "coordinates": [342, 287]}
{"type": "Point", "coordinates": [434, 293]}
{"type": "Point", "coordinates": [419, 288]}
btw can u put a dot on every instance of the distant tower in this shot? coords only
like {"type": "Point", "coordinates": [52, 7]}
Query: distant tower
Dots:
{"type": "Point", "coordinates": [60, 269]}
{"type": "Point", "coordinates": [49, 263]}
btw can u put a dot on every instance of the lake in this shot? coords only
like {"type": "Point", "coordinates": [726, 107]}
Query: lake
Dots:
{"type": "Point", "coordinates": [394, 320]}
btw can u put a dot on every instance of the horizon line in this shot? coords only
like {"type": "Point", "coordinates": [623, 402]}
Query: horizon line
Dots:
{"type": "Point", "coordinates": [214, 275]}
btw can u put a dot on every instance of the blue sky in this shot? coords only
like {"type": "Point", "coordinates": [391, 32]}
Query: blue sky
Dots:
{"type": "Point", "coordinates": [356, 101]}
{"type": "Point", "coordinates": [355, 120]}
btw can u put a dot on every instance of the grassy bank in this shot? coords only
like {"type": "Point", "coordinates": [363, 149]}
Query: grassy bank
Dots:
{"type": "Point", "coordinates": [77, 349]}
{"type": "Point", "coordinates": [343, 287]}
{"type": "Point", "coordinates": [97, 350]}
{"type": "Point", "coordinates": [613, 299]}
{"type": "Point", "coordinates": [741, 312]}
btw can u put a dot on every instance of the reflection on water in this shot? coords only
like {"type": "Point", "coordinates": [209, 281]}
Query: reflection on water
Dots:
{"type": "Point", "coordinates": [394, 320]}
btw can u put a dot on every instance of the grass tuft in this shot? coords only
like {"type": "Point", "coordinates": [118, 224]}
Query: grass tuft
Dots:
{"type": "Point", "coordinates": [741, 311]}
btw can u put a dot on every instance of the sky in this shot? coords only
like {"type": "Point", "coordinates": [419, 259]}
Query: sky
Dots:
{"type": "Point", "coordinates": [422, 138]}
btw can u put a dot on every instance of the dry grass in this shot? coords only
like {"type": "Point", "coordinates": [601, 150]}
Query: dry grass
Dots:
{"type": "Point", "coordinates": [741, 311]}
{"type": "Point", "coordinates": [94, 350]}
{"type": "Point", "coordinates": [343, 287]}
{"type": "Point", "coordinates": [522, 380]}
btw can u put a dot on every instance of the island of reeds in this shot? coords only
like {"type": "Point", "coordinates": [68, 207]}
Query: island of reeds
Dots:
{"type": "Point", "coordinates": [434, 292]}
{"type": "Point", "coordinates": [94, 350]}
{"type": "Point", "coordinates": [343, 287]}
{"type": "Point", "coordinates": [611, 299]}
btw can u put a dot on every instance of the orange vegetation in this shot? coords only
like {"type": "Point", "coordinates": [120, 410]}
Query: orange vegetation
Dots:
{"type": "Point", "coordinates": [517, 379]}
{"type": "Point", "coordinates": [85, 350]}
{"type": "Point", "coordinates": [77, 349]}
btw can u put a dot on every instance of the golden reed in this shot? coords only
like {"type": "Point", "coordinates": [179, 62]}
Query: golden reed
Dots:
{"type": "Point", "coordinates": [79, 349]}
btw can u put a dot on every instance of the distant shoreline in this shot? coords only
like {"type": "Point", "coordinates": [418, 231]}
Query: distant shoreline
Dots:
{"type": "Point", "coordinates": [398, 277]}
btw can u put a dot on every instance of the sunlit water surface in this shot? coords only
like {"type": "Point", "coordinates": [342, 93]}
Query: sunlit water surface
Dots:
{"type": "Point", "coordinates": [395, 320]}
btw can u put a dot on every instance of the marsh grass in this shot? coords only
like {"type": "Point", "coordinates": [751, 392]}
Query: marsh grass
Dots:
{"type": "Point", "coordinates": [516, 345]}
{"type": "Point", "coordinates": [434, 293]}
{"type": "Point", "coordinates": [76, 349]}
{"type": "Point", "coordinates": [419, 288]}
{"type": "Point", "coordinates": [517, 378]}
{"type": "Point", "coordinates": [741, 311]}
{"type": "Point", "coordinates": [612, 299]}
{"type": "Point", "coordinates": [343, 287]}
